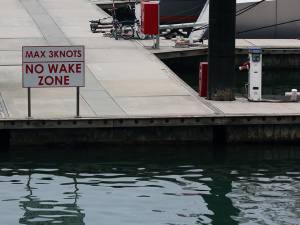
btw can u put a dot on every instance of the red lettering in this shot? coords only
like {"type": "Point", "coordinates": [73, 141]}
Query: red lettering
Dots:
{"type": "Point", "coordinates": [53, 68]}
{"type": "Point", "coordinates": [79, 54]}
{"type": "Point", "coordinates": [66, 80]}
{"type": "Point", "coordinates": [69, 54]}
{"type": "Point", "coordinates": [78, 68]}
{"type": "Point", "coordinates": [70, 68]}
{"type": "Point", "coordinates": [41, 80]}
{"type": "Point", "coordinates": [61, 54]}
{"type": "Point", "coordinates": [63, 69]}
{"type": "Point", "coordinates": [58, 80]}
{"type": "Point", "coordinates": [36, 54]}
{"type": "Point", "coordinates": [29, 54]}
{"type": "Point", "coordinates": [28, 68]}
{"type": "Point", "coordinates": [49, 80]}
{"type": "Point", "coordinates": [43, 54]}
{"type": "Point", "coordinates": [38, 68]}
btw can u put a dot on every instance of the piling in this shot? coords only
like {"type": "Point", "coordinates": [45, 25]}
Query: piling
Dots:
{"type": "Point", "coordinates": [221, 50]}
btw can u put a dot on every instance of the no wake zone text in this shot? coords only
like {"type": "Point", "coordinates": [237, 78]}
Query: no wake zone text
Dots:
{"type": "Point", "coordinates": [53, 66]}
{"type": "Point", "coordinates": [54, 54]}
{"type": "Point", "coordinates": [56, 73]}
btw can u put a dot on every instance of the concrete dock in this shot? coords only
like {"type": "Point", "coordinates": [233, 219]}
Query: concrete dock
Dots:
{"type": "Point", "coordinates": [122, 79]}
{"type": "Point", "coordinates": [130, 95]}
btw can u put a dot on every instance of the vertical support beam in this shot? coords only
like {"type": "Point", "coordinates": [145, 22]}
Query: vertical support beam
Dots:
{"type": "Point", "coordinates": [221, 53]}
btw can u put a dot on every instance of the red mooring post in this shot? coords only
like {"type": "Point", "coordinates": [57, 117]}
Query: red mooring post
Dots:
{"type": "Point", "coordinates": [203, 82]}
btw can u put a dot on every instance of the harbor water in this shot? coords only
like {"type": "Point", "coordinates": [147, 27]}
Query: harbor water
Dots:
{"type": "Point", "coordinates": [155, 185]}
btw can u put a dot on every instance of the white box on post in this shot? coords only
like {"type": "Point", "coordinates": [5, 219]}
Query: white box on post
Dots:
{"type": "Point", "coordinates": [255, 75]}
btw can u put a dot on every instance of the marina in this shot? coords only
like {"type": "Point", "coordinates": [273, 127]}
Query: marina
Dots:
{"type": "Point", "coordinates": [111, 121]}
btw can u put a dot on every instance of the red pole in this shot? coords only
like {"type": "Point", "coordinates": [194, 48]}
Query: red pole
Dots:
{"type": "Point", "coordinates": [203, 74]}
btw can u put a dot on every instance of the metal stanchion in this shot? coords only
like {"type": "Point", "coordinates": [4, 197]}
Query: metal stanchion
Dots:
{"type": "Point", "coordinates": [77, 101]}
{"type": "Point", "coordinates": [158, 35]}
{"type": "Point", "coordinates": [29, 102]}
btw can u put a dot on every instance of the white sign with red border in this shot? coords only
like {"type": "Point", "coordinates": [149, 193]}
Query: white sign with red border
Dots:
{"type": "Point", "coordinates": [53, 66]}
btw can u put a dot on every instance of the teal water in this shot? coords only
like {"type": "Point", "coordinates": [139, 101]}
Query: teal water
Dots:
{"type": "Point", "coordinates": [155, 185]}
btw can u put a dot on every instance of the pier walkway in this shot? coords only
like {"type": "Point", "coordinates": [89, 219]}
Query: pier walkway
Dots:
{"type": "Point", "coordinates": [124, 81]}
{"type": "Point", "coordinates": [122, 78]}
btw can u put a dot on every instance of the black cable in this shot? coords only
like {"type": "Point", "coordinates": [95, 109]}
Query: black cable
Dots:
{"type": "Point", "coordinates": [249, 7]}
{"type": "Point", "coordinates": [254, 29]}
{"type": "Point", "coordinates": [246, 7]}
{"type": "Point", "coordinates": [201, 28]}
{"type": "Point", "coordinates": [269, 26]}
{"type": "Point", "coordinates": [244, 10]}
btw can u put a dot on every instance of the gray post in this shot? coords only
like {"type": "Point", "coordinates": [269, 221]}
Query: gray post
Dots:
{"type": "Point", "coordinates": [221, 53]}
{"type": "Point", "coordinates": [29, 102]}
{"type": "Point", "coordinates": [158, 35]}
{"type": "Point", "coordinates": [157, 42]}
{"type": "Point", "coordinates": [77, 101]}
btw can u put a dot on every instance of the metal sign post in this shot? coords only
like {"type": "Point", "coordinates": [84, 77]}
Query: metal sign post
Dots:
{"type": "Point", "coordinates": [77, 101]}
{"type": "Point", "coordinates": [157, 42]}
{"type": "Point", "coordinates": [158, 35]}
{"type": "Point", "coordinates": [29, 102]}
{"type": "Point", "coordinates": [52, 67]}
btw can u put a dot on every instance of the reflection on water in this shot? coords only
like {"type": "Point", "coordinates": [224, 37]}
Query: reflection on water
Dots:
{"type": "Point", "coordinates": [50, 211]}
{"type": "Point", "coordinates": [151, 185]}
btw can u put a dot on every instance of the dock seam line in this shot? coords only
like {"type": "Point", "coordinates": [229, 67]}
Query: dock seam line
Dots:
{"type": "Point", "coordinates": [3, 107]}
{"type": "Point", "coordinates": [50, 18]}
{"type": "Point", "coordinates": [83, 99]}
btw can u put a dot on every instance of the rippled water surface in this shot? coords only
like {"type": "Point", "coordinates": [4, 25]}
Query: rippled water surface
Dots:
{"type": "Point", "coordinates": [173, 185]}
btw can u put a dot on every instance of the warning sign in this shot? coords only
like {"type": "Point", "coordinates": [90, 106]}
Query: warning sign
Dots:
{"type": "Point", "coordinates": [53, 66]}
